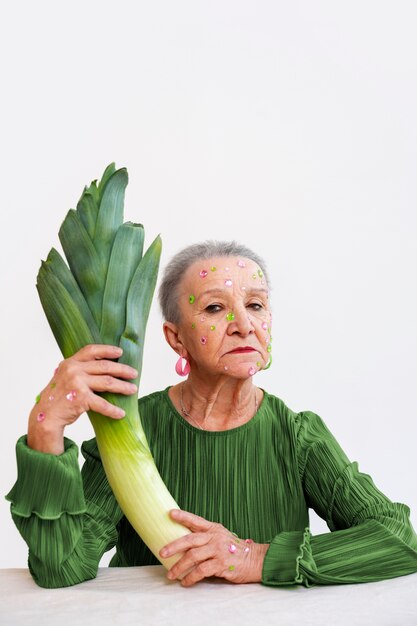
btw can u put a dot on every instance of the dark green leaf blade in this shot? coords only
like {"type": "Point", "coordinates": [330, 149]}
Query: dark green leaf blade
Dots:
{"type": "Point", "coordinates": [139, 300]}
{"type": "Point", "coordinates": [107, 174]}
{"type": "Point", "coordinates": [125, 257]}
{"type": "Point", "coordinates": [68, 325]}
{"type": "Point", "coordinates": [60, 269]}
{"type": "Point", "coordinates": [110, 215]}
{"type": "Point", "coordinates": [87, 208]}
{"type": "Point", "coordinates": [84, 261]}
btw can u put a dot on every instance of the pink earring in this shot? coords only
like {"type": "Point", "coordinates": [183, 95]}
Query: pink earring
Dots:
{"type": "Point", "coordinates": [182, 371]}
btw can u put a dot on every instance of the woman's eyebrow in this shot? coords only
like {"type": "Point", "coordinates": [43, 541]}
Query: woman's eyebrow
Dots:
{"type": "Point", "coordinates": [219, 292]}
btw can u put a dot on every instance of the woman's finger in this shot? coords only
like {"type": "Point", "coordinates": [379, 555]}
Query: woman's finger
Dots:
{"type": "Point", "coordinates": [191, 559]}
{"type": "Point", "coordinates": [109, 383]}
{"type": "Point", "coordinates": [103, 366]}
{"type": "Point", "coordinates": [97, 351]}
{"type": "Point", "coordinates": [194, 522]}
{"type": "Point", "coordinates": [183, 544]}
{"type": "Point", "coordinates": [203, 570]}
{"type": "Point", "coordinates": [100, 405]}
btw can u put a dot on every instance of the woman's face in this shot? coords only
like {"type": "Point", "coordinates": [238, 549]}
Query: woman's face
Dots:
{"type": "Point", "coordinates": [225, 322]}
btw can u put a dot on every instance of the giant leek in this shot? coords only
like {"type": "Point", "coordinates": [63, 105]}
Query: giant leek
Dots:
{"type": "Point", "coordinates": [104, 296]}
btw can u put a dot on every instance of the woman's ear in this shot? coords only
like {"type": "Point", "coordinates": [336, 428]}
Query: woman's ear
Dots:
{"type": "Point", "coordinates": [171, 333]}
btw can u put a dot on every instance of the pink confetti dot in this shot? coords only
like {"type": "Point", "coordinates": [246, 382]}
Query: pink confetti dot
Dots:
{"type": "Point", "coordinates": [251, 371]}
{"type": "Point", "coordinates": [203, 340]}
{"type": "Point", "coordinates": [232, 548]}
{"type": "Point", "coordinates": [71, 395]}
{"type": "Point", "coordinates": [264, 325]}
{"type": "Point", "coordinates": [228, 282]}
{"type": "Point", "coordinates": [241, 263]}
{"type": "Point", "coordinates": [203, 273]}
{"type": "Point", "coordinates": [40, 417]}
{"type": "Point", "coordinates": [51, 398]}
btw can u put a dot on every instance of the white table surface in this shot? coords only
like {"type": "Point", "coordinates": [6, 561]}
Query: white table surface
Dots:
{"type": "Point", "coordinates": [143, 596]}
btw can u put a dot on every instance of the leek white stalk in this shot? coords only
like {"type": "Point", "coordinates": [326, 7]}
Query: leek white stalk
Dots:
{"type": "Point", "coordinates": [104, 296]}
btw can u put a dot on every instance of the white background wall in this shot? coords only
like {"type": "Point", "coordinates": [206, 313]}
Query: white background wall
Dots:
{"type": "Point", "coordinates": [289, 126]}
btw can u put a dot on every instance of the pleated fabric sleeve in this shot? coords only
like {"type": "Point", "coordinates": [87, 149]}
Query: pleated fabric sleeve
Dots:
{"type": "Point", "coordinates": [372, 538]}
{"type": "Point", "coordinates": [66, 527]}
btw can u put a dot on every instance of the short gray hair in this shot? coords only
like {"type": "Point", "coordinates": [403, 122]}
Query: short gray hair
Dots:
{"type": "Point", "coordinates": [168, 290]}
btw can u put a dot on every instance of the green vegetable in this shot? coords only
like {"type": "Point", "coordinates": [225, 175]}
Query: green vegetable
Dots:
{"type": "Point", "coordinates": [104, 297]}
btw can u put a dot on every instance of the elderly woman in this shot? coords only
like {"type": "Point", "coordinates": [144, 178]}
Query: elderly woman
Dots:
{"type": "Point", "coordinates": [242, 466]}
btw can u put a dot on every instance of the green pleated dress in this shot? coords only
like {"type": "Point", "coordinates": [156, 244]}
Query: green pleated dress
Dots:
{"type": "Point", "coordinates": [258, 480]}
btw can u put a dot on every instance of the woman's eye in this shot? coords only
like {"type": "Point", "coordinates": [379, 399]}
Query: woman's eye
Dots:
{"type": "Point", "coordinates": [213, 308]}
{"type": "Point", "coordinates": [255, 306]}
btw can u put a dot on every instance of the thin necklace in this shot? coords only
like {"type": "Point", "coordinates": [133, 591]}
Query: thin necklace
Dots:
{"type": "Point", "coordinates": [187, 414]}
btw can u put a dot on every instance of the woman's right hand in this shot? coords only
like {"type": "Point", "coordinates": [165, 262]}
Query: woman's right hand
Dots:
{"type": "Point", "coordinates": [71, 392]}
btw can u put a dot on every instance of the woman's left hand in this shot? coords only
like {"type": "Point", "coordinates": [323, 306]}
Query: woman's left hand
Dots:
{"type": "Point", "coordinates": [212, 550]}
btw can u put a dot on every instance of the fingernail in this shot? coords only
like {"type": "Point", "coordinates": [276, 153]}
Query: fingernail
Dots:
{"type": "Point", "coordinates": [121, 413]}
{"type": "Point", "coordinates": [118, 350]}
{"type": "Point", "coordinates": [164, 552]}
{"type": "Point", "coordinates": [134, 372]}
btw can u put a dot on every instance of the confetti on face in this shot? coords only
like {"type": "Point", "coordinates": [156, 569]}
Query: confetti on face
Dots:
{"type": "Point", "coordinates": [203, 273]}
{"type": "Point", "coordinates": [269, 347]}
{"type": "Point", "coordinates": [38, 397]}
{"type": "Point", "coordinates": [260, 273]}
{"type": "Point", "coordinates": [191, 299]}
{"type": "Point", "coordinates": [203, 318]}
{"type": "Point", "coordinates": [203, 340]}
{"type": "Point", "coordinates": [230, 316]}
{"type": "Point", "coordinates": [227, 269]}
{"type": "Point", "coordinates": [258, 364]}
{"type": "Point", "coordinates": [53, 385]}
{"type": "Point", "coordinates": [251, 371]}
{"type": "Point", "coordinates": [241, 263]}
{"type": "Point", "coordinates": [212, 327]}
{"type": "Point", "coordinates": [254, 275]}
{"type": "Point", "coordinates": [71, 395]}
{"type": "Point", "coordinates": [51, 398]}
{"type": "Point", "coordinates": [213, 268]}
{"type": "Point", "coordinates": [193, 325]}
{"type": "Point", "coordinates": [264, 325]}
{"type": "Point", "coordinates": [225, 368]}
{"type": "Point", "coordinates": [40, 416]}
{"type": "Point", "coordinates": [228, 282]}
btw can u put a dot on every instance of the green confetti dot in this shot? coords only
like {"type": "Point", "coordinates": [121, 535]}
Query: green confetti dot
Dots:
{"type": "Point", "coordinates": [258, 364]}
{"type": "Point", "coordinates": [269, 348]}
{"type": "Point", "coordinates": [38, 397]}
{"type": "Point", "coordinates": [191, 299]}
{"type": "Point", "coordinates": [193, 325]}
{"type": "Point", "coordinates": [53, 385]}
{"type": "Point", "coordinates": [212, 328]}
{"type": "Point", "coordinates": [230, 316]}
{"type": "Point", "coordinates": [254, 275]}
{"type": "Point", "coordinates": [213, 269]}
{"type": "Point", "coordinates": [231, 568]}
{"type": "Point", "coordinates": [260, 274]}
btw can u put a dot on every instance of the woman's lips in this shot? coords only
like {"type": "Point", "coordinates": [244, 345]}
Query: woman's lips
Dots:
{"type": "Point", "coordinates": [241, 350]}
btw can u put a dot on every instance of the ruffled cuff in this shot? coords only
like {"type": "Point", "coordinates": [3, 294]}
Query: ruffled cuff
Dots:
{"type": "Point", "coordinates": [47, 485]}
{"type": "Point", "coordinates": [288, 559]}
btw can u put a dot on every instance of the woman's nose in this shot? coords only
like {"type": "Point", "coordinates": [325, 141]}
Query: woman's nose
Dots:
{"type": "Point", "coordinates": [241, 322]}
